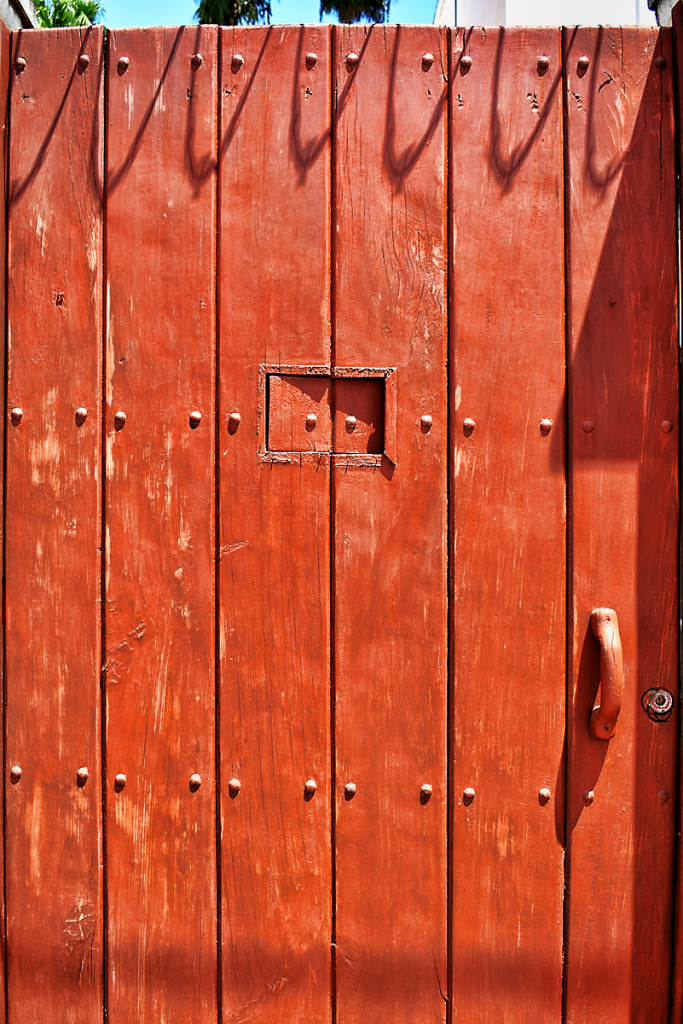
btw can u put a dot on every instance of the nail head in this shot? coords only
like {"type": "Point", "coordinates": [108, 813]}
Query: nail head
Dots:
{"type": "Point", "coordinates": [466, 62]}
{"type": "Point", "coordinates": [311, 421]}
{"type": "Point", "coordinates": [663, 796]}
{"type": "Point", "coordinates": [588, 426]}
{"type": "Point", "coordinates": [468, 796]}
{"type": "Point", "coordinates": [15, 773]}
{"type": "Point", "coordinates": [195, 781]}
{"type": "Point", "coordinates": [234, 787]}
{"type": "Point", "coordinates": [427, 61]}
{"type": "Point", "coordinates": [311, 60]}
{"type": "Point", "coordinates": [546, 426]}
{"type": "Point", "coordinates": [425, 792]}
{"type": "Point", "coordinates": [544, 796]}
{"type": "Point", "coordinates": [351, 423]}
{"type": "Point", "coordinates": [120, 780]}
{"type": "Point", "coordinates": [195, 418]}
{"type": "Point", "coordinates": [17, 414]}
{"type": "Point", "coordinates": [468, 426]}
{"type": "Point", "coordinates": [543, 63]}
{"type": "Point", "coordinates": [237, 61]}
{"type": "Point", "coordinates": [122, 64]}
{"type": "Point", "coordinates": [660, 62]}
{"type": "Point", "coordinates": [234, 420]}
{"type": "Point", "coordinates": [81, 414]}
{"type": "Point", "coordinates": [310, 787]}
{"type": "Point", "coordinates": [83, 60]}
{"type": "Point", "coordinates": [119, 420]}
{"type": "Point", "coordinates": [426, 423]}
{"type": "Point", "coordinates": [197, 60]}
{"type": "Point", "coordinates": [588, 797]}
{"type": "Point", "coordinates": [82, 775]}
{"type": "Point", "coordinates": [584, 62]}
{"type": "Point", "coordinates": [350, 790]}
{"type": "Point", "coordinates": [352, 59]}
{"type": "Point", "coordinates": [667, 426]}
{"type": "Point", "coordinates": [19, 64]}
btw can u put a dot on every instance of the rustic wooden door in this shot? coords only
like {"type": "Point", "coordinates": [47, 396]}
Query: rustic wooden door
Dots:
{"type": "Point", "coordinates": [342, 389]}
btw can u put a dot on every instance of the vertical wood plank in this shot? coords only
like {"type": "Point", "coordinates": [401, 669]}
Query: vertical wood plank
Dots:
{"type": "Point", "coordinates": [274, 528]}
{"type": "Point", "coordinates": [160, 679]}
{"type": "Point", "coordinates": [508, 525]}
{"type": "Point", "coordinates": [53, 531]}
{"type": "Point", "coordinates": [390, 525]}
{"type": "Point", "coordinates": [624, 516]}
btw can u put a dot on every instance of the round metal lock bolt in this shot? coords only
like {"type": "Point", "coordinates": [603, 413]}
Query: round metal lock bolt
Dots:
{"type": "Point", "coordinates": [83, 61]}
{"type": "Point", "coordinates": [468, 796]}
{"type": "Point", "coordinates": [311, 60]}
{"type": "Point", "coordinates": [81, 414]}
{"type": "Point", "coordinates": [584, 62]}
{"type": "Point", "coordinates": [663, 796]}
{"type": "Point", "coordinates": [195, 782]}
{"type": "Point", "coordinates": [667, 426]}
{"type": "Point", "coordinates": [82, 776]}
{"type": "Point", "coordinates": [351, 423]}
{"type": "Point", "coordinates": [349, 790]}
{"type": "Point", "coordinates": [588, 426]}
{"type": "Point", "coordinates": [546, 427]}
{"type": "Point", "coordinates": [234, 786]}
{"type": "Point", "coordinates": [426, 424]}
{"type": "Point", "coordinates": [234, 420]}
{"type": "Point", "coordinates": [468, 427]}
{"type": "Point", "coordinates": [16, 415]}
{"type": "Point", "coordinates": [543, 64]}
{"type": "Point", "coordinates": [352, 60]}
{"type": "Point", "coordinates": [427, 61]}
{"type": "Point", "coordinates": [425, 792]}
{"type": "Point", "coordinates": [15, 773]}
{"type": "Point", "coordinates": [122, 65]}
{"type": "Point", "coordinates": [311, 421]}
{"type": "Point", "coordinates": [119, 420]}
{"type": "Point", "coordinates": [120, 781]}
{"type": "Point", "coordinates": [310, 789]}
{"type": "Point", "coordinates": [465, 63]}
{"type": "Point", "coordinates": [544, 796]}
{"type": "Point", "coordinates": [236, 63]}
{"type": "Point", "coordinates": [660, 63]}
{"type": "Point", "coordinates": [20, 65]}
{"type": "Point", "coordinates": [196, 60]}
{"type": "Point", "coordinates": [588, 797]}
{"type": "Point", "coordinates": [195, 419]}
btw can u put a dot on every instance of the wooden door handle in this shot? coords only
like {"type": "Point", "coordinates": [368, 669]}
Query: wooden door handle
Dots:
{"type": "Point", "coordinates": [604, 716]}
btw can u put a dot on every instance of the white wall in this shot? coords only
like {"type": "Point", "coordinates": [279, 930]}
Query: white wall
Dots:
{"type": "Point", "coordinates": [544, 12]}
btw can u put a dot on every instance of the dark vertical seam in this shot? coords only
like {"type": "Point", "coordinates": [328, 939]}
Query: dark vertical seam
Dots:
{"type": "Point", "coordinates": [4, 518]}
{"type": "Point", "coordinates": [103, 543]}
{"type": "Point", "coordinates": [332, 521]}
{"type": "Point", "coordinates": [450, 511]}
{"type": "Point", "coordinates": [569, 548]}
{"type": "Point", "coordinates": [217, 540]}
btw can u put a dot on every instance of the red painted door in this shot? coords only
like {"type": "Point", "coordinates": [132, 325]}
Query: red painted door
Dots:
{"type": "Point", "coordinates": [342, 388]}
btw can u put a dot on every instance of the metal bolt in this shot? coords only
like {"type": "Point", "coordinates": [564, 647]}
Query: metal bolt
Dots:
{"type": "Point", "coordinates": [667, 426]}
{"type": "Point", "coordinates": [237, 62]}
{"type": "Point", "coordinates": [234, 787]}
{"type": "Point", "coordinates": [663, 796]}
{"type": "Point", "coordinates": [196, 60]}
{"type": "Point", "coordinates": [466, 62]}
{"type": "Point", "coordinates": [120, 781]}
{"type": "Point", "coordinates": [543, 64]}
{"type": "Point", "coordinates": [588, 797]}
{"type": "Point", "coordinates": [588, 426]}
{"type": "Point", "coordinates": [584, 62]}
{"type": "Point", "coordinates": [16, 415]}
{"type": "Point", "coordinates": [427, 61]}
{"type": "Point", "coordinates": [546, 427]}
{"type": "Point", "coordinates": [311, 60]}
{"type": "Point", "coordinates": [309, 788]}
{"type": "Point", "coordinates": [20, 64]}
{"type": "Point", "coordinates": [660, 62]}
{"type": "Point", "coordinates": [15, 773]}
{"type": "Point", "coordinates": [234, 420]}
{"type": "Point", "coordinates": [195, 419]}
{"type": "Point", "coordinates": [351, 423]}
{"type": "Point", "coordinates": [543, 796]}
{"type": "Point", "coordinates": [350, 790]}
{"type": "Point", "coordinates": [83, 60]}
{"type": "Point", "coordinates": [426, 424]}
{"type": "Point", "coordinates": [81, 414]}
{"type": "Point", "coordinates": [82, 775]}
{"type": "Point", "coordinates": [311, 421]}
{"type": "Point", "coordinates": [195, 782]}
{"type": "Point", "coordinates": [352, 60]}
{"type": "Point", "coordinates": [425, 793]}
{"type": "Point", "coordinates": [468, 426]}
{"type": "Point", "coordinates": [122, 65]}
{"type": "Point", "coordinates": [468, 796]}
{"type": "Point", "coordinates": [119, 420]}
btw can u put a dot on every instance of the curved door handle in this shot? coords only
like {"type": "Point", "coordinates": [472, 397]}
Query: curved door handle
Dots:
{"type": "Point", "coordinates": [605, 628]}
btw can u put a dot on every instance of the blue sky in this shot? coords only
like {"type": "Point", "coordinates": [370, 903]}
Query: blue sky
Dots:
{"type": "Point", "coordinates": [132, 13]}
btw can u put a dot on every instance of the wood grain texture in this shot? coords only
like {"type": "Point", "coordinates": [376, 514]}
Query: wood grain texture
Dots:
{"type": "Point", "coordinates": [622, 322]}
{"type": "Point", "coordinates": [390, 530]}
{"type": "Point", "coordinates": [53, 531]}
{"type": "Point", "coordinates": [160, 656]}
{"type": "Point", "coordinates": [508, 526]}
{"type": "Point", "coordinates": [274, 528]}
